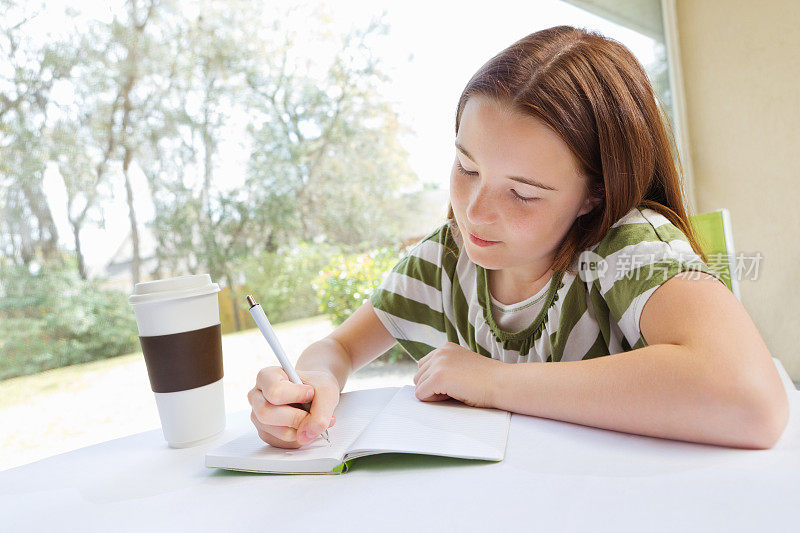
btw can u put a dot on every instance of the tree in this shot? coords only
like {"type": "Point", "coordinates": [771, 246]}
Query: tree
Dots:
{"type": "Point", "coordinates": [157, 88]}
{"type": "Point", "coordinates": [198, 223]}
{"type": "Point", "coordinates": [326, 161]}
{"type": "Point", "coordinates": [27, 229]}
{"type": "Point", "coordinates": [85, 138]}
{"type": "Point", "coordinates": [138, 50]}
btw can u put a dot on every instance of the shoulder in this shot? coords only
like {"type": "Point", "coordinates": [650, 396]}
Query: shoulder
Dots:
{"type": "Point", "coordinates": [439, 246]}
{"type": "Point", "coordinates": [640, 227]}
{"type": "Point", "coordinates": [427, 259]}
{"type": "Point", "coordinates": [639, 253]}
{"type": "Point", "coordinates": [641, 238]}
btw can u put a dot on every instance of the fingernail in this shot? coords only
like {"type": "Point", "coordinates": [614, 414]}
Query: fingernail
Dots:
{"type": "Point", "coordinates": [306, 437]}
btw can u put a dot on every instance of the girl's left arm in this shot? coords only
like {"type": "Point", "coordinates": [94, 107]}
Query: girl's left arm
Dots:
{"type": "Point", "coordinates": [706, 376]}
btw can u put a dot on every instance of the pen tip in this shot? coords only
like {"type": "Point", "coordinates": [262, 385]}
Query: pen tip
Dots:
{"type": "Point", "coordinates": [251, 300]}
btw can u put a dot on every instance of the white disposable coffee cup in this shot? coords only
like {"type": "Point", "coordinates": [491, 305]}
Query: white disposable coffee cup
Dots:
{"type": "Point", "coordinates": [179, 330]}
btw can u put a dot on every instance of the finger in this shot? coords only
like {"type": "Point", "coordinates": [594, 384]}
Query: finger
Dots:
{"type": "Point", "coordinates": [420, 371]}
{"type": "Point", "coordinates": [422, 375]}
{"type": "Point", "coordinates": [425, 361]}
{"type": "Point", "coordinates": [256, 422]}
{"type": "Point", "coordinates": [254, 397]}
{"type": "Point", "coordinates": [285, 392]}
{"type": "Point", "coordinates": [436, 398]}
{"type": "Point", "coordinates": [283, 433]}
{"type": "Point", "coordinates": [420, 391]}
{"type": "Point", "coordinates": [278, 389]}
{"type": "Point", "coordinates": [426, 392]}
{"type": "Point", "coordinates": [268, 375]}
{"type": "Point", "coordinates": [279, 415]}
{"type": "Point", "coordinates": [293, 435]}
{"type": "Point", "coordinates": [272, 440]}
{"type": "Point", "coordinates": [320, 415]}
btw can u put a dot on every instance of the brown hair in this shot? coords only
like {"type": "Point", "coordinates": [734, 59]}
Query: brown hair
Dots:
{"type": "Point", "coordinates": [596, 96]}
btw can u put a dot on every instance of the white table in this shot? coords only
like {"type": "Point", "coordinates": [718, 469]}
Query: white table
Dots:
{"type": "Point", "coordinates": [556, 476]}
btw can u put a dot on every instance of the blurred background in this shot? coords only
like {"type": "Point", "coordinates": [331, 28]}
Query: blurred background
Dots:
{"type": "Point", "coordinates": [294, 151]}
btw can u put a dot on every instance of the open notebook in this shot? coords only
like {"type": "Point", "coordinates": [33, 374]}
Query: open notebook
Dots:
{"type": "Point", "coordinates": [373, 421]}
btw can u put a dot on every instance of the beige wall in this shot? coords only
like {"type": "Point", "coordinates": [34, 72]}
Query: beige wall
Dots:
{"type": "Point", "coordinates": [741, 76]}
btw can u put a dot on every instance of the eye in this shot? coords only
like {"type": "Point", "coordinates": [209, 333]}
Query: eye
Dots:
{"type": "Point", "coordinates": [523, 199]}
{"type": "Point", "coordinates": [517, 197]}
{"type": "Point", "coordinates": [463, 170]}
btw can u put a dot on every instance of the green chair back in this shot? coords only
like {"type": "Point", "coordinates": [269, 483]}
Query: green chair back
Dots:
{"type": "Point", "coordinates": [713, 230]}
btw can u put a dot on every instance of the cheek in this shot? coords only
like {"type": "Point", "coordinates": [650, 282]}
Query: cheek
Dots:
{"type": "Point", "coordinates": [458, 191]}
{"type": "Point", "coordinates": [527, 228]}
{"type": "Point", "coordinates": [534, 223]}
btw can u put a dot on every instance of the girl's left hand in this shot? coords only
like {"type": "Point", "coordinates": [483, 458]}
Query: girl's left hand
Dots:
{"type": "Point", "coordinates": [452, 371]}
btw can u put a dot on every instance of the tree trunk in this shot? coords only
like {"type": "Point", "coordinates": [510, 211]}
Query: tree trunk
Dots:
{"type": "Point", "coordinates": [211, 254]}
{"type": "Point", "coordinates": [76, 232]}
{"type": "Point", "coordinates": [133, 77]}
{"type": "Point", "coordinates": [136, 257]}
{"type": "Point", "coordinates": [234, 302]}
{"type": "Point", "coordinates": [41, 210]}
{"type": "Point", "coordinates": [270, 245]}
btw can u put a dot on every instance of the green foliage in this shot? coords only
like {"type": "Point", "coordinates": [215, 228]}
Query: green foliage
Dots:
{"type": "Point", "coordinates": [53, 318]}
{"type": "Point", "coordinates": [282, 281]}
{"type": "Point", "coordinates": [158, 87]}
{"type": "Point", "coordinates": [349, 280]}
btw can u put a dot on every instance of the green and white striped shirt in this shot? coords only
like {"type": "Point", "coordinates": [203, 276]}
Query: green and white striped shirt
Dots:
{"type": "Point", "coordinates": [435, 294]}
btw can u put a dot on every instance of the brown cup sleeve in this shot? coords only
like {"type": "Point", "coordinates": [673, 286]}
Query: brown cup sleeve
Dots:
{"type": "Point", "coordinates": [185, 360]}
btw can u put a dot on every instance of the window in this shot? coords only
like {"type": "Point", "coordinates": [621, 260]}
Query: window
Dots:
{"type": "Point", "coordinates": [245, 143]}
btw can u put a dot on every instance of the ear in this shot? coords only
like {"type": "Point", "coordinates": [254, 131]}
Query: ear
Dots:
{"type": "Point", "coordinates": [588, 204]}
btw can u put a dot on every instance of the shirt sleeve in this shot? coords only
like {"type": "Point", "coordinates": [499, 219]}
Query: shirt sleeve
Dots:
{"type": "Point", "coordinates": [408, 301]}
{"type": "Point", "coordinates": [634, 260]}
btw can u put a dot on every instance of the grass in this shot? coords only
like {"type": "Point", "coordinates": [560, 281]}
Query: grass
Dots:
{"type": "Point", "coordinates": [68, 378]}
{"type": "Point", "coordinates": [79, 405]}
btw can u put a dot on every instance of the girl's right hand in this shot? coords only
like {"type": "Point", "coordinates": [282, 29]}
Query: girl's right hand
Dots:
{"type": "Point", "coordinates": [282, 425]}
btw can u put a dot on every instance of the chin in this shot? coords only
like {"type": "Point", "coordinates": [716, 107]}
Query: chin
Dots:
{"type": "Point", "coordinates": [485, 263]}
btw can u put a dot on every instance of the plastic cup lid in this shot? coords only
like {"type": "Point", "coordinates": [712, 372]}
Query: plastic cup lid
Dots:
{"type": "Point", "coordinates": [172, 288]}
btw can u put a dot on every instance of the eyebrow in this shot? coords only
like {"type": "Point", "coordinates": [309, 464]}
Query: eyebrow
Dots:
{"type": "Point", "coordinates": [528, 181]}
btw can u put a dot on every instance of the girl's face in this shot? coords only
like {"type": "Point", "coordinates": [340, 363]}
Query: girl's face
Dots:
{"type": "Point", "coordinates": [515, 182]}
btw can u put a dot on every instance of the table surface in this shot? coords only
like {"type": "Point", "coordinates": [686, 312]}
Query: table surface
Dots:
{"type": "Point", "coordinates": [555, 474]}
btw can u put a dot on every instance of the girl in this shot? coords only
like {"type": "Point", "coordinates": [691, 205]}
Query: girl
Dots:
{"type": "Point", "coordinates": [566, 240]}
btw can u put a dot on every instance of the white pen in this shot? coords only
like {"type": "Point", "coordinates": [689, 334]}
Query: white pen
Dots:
{"type": "Point", "coordinates": [266, 329]}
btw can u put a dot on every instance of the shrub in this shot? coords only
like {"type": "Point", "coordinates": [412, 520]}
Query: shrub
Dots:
{"type": "Point", "coordinates": [282, 281]}
{"type": "Point", "coordinates": [53, 318]}
{"type": "Point", "coordinates": [349, 280]}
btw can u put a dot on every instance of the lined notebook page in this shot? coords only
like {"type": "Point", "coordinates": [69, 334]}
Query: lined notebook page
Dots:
{"type": "Point", "coordinates": [449, 428]}
{"type": "Point", "coordinates": [353, 413]}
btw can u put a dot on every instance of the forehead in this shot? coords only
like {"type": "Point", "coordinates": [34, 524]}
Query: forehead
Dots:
{"type": "Point", "coordinates": [493, 132]}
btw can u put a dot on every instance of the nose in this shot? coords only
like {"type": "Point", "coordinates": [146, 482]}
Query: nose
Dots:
{"type": "Point", "coordinates": [481, 210]}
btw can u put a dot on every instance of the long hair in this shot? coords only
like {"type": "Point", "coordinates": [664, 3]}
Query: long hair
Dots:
{"type": "Point", "coordinates": [596, 96]}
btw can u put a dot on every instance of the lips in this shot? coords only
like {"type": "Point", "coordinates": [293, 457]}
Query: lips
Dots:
{"type": "Point", "coordinates": [482, 239]}
{"type": "Point", "coordinates": [481, 242]}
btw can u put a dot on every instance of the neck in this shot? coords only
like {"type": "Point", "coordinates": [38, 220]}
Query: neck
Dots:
{"type": "Point", "coordinates": [512, 285]}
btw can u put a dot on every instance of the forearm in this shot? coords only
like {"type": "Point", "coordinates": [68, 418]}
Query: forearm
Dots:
{"type": "Point", "coordinates": [662, 390]}
{"type": "Point", "coordinates": [326, 355]}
